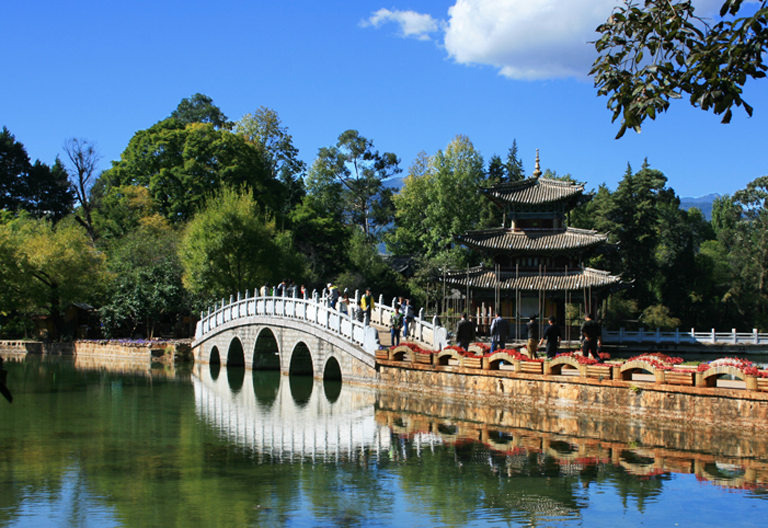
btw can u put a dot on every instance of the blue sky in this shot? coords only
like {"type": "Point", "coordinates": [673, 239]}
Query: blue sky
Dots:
{"type": "Point", "coordinates": [408, 74]}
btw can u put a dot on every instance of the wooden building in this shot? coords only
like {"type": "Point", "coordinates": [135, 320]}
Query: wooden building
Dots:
{"type": "Point", "coordinates": [537, 259]}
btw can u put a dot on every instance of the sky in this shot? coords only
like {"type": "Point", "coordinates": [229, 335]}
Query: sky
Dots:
{"type": "Point", "coordinates": [408, 74]}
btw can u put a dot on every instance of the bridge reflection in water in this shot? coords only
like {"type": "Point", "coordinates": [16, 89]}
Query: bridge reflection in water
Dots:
{"type": "Point", "coordinates": [289, 418]}
{"type": "Point", "coordinates": [297, 418]}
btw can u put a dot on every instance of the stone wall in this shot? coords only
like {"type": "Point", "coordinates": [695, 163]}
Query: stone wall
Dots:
{"type": "Point", "coordinates": [162, 352]}
{"type": "Point", "coordinates": [649, 402]}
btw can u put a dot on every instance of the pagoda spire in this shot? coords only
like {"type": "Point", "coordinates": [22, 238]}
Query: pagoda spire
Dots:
{"type": "Point", "coordinates": [537, 170]}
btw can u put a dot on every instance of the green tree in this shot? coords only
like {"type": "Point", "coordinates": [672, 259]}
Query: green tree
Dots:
{"type": "Point", "coordinates": [264, 129]}
{"type": "Point", "coordinates": [36, 188]}
{"type": "Point", "coordinates": [200, 109]}
{"type": "Point", "coordinates": [232, 246]}
{"type": "Point", "coordinates": [514, 167]}
{"type": "Point", "coordinates": [749, 246]}
{"type": "Point", "coordinates": [54, 265]}
{"type": "Point", "coordinates": [182, 165]}
{"type": "Point", "coordinates": [651, 52]}
{"type": "Point", "coordinates": [321, 239]}
{"type": "Point", "coordinates": [356, 172]}
{"type": "Point", "coordinates": [146, 286]}
{"type": "Point", "coordinates": [440, 199]}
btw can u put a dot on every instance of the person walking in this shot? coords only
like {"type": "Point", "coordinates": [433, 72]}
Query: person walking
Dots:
{"type": "Point", "coordinates": [552, 336]}
{"type": "Point", "coordinates": [395, 322]}
{"type": "Point", "coordinates": [465, 332]}
{"type": "Point", "coordinates": [366, 305]}
{"type": "Point", "coordinates": [499, 329]}
{"type": "Point", "coordinates": [533, 337]}
{"type": "Point", "coordinates": [407, 318]}
{"type": "Point", "coordinates": [591, 332]}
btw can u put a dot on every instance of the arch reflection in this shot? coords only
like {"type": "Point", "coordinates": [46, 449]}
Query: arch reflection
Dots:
{"type": "Point", "coordinates": [266, 355]}
{"type": "Point", "coordinates": [266, 384]}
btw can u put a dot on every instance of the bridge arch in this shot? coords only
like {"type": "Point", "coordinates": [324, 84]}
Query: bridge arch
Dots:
{"type": "Point", "coordinates": [332, 370]}
{"type": "Point", "coordinates": [235, 354]}
{"type": "Point", "coordinates": [266, 352]}
{"type": "Point", "coordinates": [301, 361]}
{"type": "Point", "coordinates": [215, 358]}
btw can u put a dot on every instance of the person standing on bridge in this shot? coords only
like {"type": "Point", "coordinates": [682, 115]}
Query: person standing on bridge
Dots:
{"type": "Point", "coordinates": [407, 310]}
{"type": "Point", "coordinates": [333, 295]}
{"type": "Point", "coordinates": [396, 322]}
{"type": "Point", "coordinates": [366, 305]}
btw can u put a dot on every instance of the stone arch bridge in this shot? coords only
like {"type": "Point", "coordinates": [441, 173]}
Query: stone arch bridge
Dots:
{"type": "Point", "coordinates": [299, 336]}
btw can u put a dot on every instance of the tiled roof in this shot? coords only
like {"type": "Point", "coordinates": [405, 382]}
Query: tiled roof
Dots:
{"type": "Point", "coordinates": [573, 280]}
{"type": "Point", "coordinates": [532, 240]}
{"type": "Point", "coordinates": [533, 191]}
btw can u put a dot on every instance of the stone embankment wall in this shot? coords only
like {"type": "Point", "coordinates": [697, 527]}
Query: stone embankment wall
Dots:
{"type": "Point", "coordinates": [160, 351]}
{"type": "Point", "coordinates": [646, 401]}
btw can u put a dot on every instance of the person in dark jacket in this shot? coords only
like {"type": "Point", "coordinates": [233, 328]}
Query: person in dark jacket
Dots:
{"type": "Point", "coordinates": [465, 332]}
{"type": "Point", "coordinates": [552, 336]}
{"type": "Point", "coordinates": [499, 330]}
{"type": "Point", "coordinates": [591, 333]}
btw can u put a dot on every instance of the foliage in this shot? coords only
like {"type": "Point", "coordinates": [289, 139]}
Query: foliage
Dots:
{"type": "Point", "coordinates": [321, 239]}
{"type": "Point", "coordinates": [659, 316]}
{"type": "Point", "coordinates": [439, 200]}
{"type": "Point", "coordinates": [48, 267]}
{"type": "Point", "coordinates": [350, 177]}
{"type": "Point", "coordinates": [200, 109]}
{"type": "Point", "coordinates": [146, 284]}
{"type": "Point", "coordinates": [37, 188]}
{"type": "Point", "coordinates": [367, 269]}
{"type": "Point", "coordinates": [182, 165]}
{"type": "Point", "coordinates": [747, 244]}
{"type": "Point", "coordinates": [264, 129]}
{"type": "Point", "coordinates": [231, 246]}
{"type": "Point", "coordinates": [651, 52]}
{"type": "Point", "coordinates": [621, 312]}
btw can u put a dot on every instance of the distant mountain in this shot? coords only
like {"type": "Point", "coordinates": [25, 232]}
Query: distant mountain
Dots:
{"type": "Point", "coordinates": [703, 203]}
{"type": "Point", "coordinates": [395, 183]}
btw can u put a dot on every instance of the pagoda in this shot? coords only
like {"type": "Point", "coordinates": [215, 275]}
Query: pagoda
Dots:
{"type": "Point", "coordinates": [537, 259]}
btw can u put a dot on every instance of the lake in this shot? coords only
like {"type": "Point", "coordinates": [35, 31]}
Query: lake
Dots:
{"type": "Point", "coordinates": [92, 444]}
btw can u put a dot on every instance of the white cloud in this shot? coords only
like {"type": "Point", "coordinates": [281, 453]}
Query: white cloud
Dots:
{"type": "Point", "coordinates": [412, 24]}
{"type": "Point", "coordinates": [524, 39]}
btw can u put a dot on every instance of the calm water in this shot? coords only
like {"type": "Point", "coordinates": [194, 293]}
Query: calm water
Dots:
{"type": "Point", "coordinates": [83, 445]}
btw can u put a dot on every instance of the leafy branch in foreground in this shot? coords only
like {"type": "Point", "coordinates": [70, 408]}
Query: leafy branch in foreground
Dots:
{"type": "Point", "coordinates": [662, 50]}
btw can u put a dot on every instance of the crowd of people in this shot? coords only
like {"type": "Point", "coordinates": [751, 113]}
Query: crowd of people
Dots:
{"type": "Point", "coordinates": [402, 318]}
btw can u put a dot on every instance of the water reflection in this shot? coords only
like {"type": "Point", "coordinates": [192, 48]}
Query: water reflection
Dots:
{"type": "Point", "coordinates": [139, 450]}
{"type": "Point", "coordinates": [337, 418]}
{"type": "Point", "coordinates": [266, 383]}
{"type": "Point", "coordinates": [301, 389]}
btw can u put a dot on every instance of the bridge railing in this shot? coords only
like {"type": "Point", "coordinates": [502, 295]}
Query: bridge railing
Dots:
{"type": "Point", "coordinates": [315, 311]}
{"type": "Point", "coordinates": [693, 337]}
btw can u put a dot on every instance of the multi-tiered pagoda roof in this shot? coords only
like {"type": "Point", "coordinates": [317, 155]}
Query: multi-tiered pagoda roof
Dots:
{"type": "Point", "coordinates": [535, 249]}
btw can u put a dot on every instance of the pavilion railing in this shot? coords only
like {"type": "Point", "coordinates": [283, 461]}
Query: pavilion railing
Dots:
{"type": "Point", "coordinates": [712, 337]}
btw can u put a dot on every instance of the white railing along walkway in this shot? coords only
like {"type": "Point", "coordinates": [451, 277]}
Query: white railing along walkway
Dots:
{"type": "Point", "coordinates": [677, 337]}
{"type": "Point", "coordinates": [317, 312]}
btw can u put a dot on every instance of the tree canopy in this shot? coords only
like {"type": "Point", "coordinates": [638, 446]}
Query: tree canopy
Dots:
{"type": "Point", "coordinates": [37, 188]}
{"type": "Point", "coordinates": [651, 52]}
{"type": "Point", "coordinates": [351, 178]}
{"type": "Point", "coordinates": [231, 246]}
{"type": "Point", "coordinates": [182, 165]}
